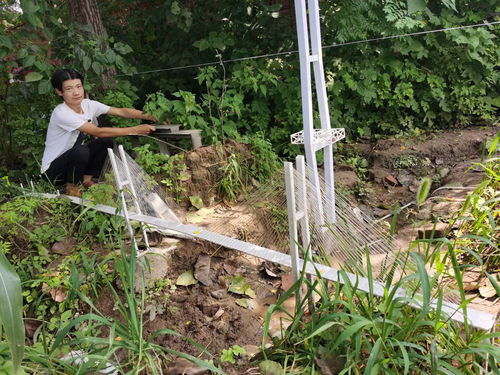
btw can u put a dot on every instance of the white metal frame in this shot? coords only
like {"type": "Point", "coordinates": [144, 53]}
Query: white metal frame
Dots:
{"type": "Point", "coordinates": [121, 186]}
{"type": "Point", "coordinates": [312, 54]}
{"type": "Point", "coordinates": [296, 199]}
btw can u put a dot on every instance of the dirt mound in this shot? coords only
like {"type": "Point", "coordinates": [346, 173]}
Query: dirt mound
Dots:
{"type": "Point", "coordinates": [396, 166]}
{"type": "Point", "coordinates": [204, 168]}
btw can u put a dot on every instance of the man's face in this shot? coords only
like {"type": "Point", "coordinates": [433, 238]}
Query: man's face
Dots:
{"type": "Point", "coordinates": [72, 92]}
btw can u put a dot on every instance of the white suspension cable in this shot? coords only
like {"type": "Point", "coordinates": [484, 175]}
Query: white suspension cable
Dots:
{"type": "Point", "coordinates": [335, 45]}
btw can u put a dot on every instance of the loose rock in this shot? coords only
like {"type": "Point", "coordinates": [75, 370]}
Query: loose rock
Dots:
{"type": "Point", "coordinates": [391, 180]}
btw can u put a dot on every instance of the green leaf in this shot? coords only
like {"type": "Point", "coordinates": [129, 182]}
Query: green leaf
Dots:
{"type": "Point", "coordinates": [270, 368]}
{"type": "Point", "coordinates": [97, 67]}
{"type": "Point", "coordinates": [44, 87]}
{"type": "Point", "coordinates": [34, 20]}
{"type": "Point", "coordinates": [29, 7]}
{"type": "Point", "coordinates": [110, 56]}
{"type": "Point", "coordinates": [240, 286]}
{"type": "Point", "coordinates": [450, 4]}
{"type": "Point", "coordinates": [33, 77]}
{"type": "Point", "coordinates": [243, 302]}
{"type": "Point", "coordinates": [123, 48]}
{"type": "Point", "coordinates": [186, 279]}
{"type": "Point", "coordinates": [11, 310]}
{"type": "Point", "coordinates": [202, 44]}
{"type": "Point", "coordinates": [423, 190]}
{"type": "Point", "coordinates": [373, 357]}
{"type": "Point", "coordinates": [6, 41]}
{"type": "Point", "coordinates": [29, 61]}
{"type": "Point", "coordinates": [86, 62]}
{"type": "Point", "coordinates": [494, 283]}
{"type": "Point", "coordinates": [196, 201]}
{"type": "Point", "coordinates": [416, 6]}
{"type": "Point", "coordinates": [227, 356]}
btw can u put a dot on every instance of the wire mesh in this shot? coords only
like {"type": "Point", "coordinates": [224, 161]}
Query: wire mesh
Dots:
{"type": "Point", "coordinates": [148, 193]}
{"type": "Point", "coordinates": [355, 242]}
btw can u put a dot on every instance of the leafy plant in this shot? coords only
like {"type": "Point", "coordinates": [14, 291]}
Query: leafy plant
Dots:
{"type": "Point", "coordinates": [355, 160]}
{"type": "Point", "coordinates": [264, 162]}
{"type": "Point", "coordinates": [169, 168]}
{"type": "Point", "coordinates": [364, 333]}
{"type": "Point", "coordinates": [231, 182]}
{"type": "Point", "coordinates": [407, 161]}
{"type": "Point", "coordinates": [126, 334]}
{"type": "Point", "coordinates": [229, 355]}
{"type": "Point", "coordinates": [478, 233]}
{"type": "Point", "coordinates": [158, 297]}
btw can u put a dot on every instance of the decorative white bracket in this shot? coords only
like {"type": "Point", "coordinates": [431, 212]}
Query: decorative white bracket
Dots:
{"type": "Point", "coordinates": [320, 137]}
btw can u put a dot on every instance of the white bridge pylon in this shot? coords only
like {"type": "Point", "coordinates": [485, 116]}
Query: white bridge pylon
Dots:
{"type": "Point", "coordinates": [307, 16]}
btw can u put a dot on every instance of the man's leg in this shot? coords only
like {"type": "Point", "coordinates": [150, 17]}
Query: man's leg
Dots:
{"type": "Point", "coordinates": [70, 166]}
{"type": "Point", "coordinates": [98, 152]}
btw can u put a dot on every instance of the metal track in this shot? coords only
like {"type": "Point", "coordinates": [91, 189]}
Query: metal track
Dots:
{"type": "Point", "coordinates": [477, 319]}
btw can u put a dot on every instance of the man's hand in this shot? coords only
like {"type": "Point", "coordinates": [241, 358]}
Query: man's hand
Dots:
{"type": "Point", "coordinates": [150, 118]}
{"type": "Point", "coordinates": [144, 129]}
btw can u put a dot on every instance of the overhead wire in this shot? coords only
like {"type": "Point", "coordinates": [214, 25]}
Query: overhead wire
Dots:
{"type": "Point", "coordinates": [335, 45]}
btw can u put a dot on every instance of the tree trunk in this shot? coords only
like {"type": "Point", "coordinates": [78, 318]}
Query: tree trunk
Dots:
{"type": "Point", "coordinates": [86, 12]}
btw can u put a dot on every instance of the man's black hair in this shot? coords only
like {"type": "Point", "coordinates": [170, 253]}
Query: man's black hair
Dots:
{"type": "Point", "coordinates": [64, 75]}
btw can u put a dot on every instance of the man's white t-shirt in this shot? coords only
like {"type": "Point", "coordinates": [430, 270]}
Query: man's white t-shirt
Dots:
{"type": "Point", "coordinates": [63, 132]}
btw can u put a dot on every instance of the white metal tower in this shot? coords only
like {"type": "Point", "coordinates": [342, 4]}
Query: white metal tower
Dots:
{"type": "Point", "coordinates": [307, 16]}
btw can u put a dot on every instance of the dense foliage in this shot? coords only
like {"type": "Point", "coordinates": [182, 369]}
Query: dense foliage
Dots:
{"type": "Point", "coordinates": [385, 87]}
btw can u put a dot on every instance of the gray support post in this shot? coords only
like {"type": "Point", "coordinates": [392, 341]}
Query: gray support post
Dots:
{"type": "Point", "coordinates": [302, 201]}
{"type": "Point", "coordinates": [292, 219]}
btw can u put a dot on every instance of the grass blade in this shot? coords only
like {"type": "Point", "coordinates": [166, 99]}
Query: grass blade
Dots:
{"type": "Point", "coordinates": [373, 357]}
{"type": "Point", "coordinates": [11, 309]}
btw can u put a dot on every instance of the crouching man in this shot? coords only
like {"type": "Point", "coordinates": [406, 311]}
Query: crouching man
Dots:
{"type": "Point", "coordinates": [66, 159]}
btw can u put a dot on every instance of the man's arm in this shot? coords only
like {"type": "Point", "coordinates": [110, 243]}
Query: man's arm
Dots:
{"type": "Point", "coordinates": [130, 113]}
{"type": "Point", "coordinates": [98, 132]}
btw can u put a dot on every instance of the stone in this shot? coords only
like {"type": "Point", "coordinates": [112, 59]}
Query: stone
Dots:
{"type": "Point", "coordinates": [406, 178]}
{"type": "Point", "coordinates": [424, 213]}
{"type": "Point", "coordinates": [471, 278]}
{"type": "Point", "coordinates": [488, 290]}
{"type": "Point", "coordinates": [268, 367]}
{"type": "Point", "coordinates": [379, 212]}
{"type": "Point", "coordinates": [219, 294]}
{"type": "Point", "coordinates": [439, 161]}
{"type": "Point", "coordinates": [64, 247]}
{"type": "Point", "coordinates": [391, 180]}
{"type": "Point", "coordinates": [155, 265]}
{"type": "Point", "coordinates": [443, 172]}
{"type": "Point", "coordinates": [437, 230]}
{"type": "Point", "coordinates": [199, 216]}
{"type": "Point", "coordinates": [251, 350]}
{"type": "Point", "coordinates": [286, 282]}
{"type": "Point", "coordinates": [377, 174]}
{"type": "Point", "coordinates": [182, 366]}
